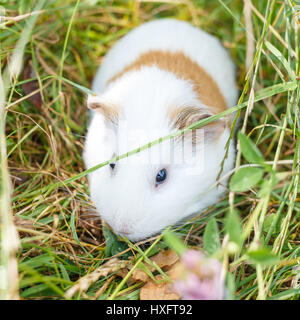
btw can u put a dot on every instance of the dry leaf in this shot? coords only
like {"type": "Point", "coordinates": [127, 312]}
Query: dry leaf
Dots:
{"type": "Point", "coordinates": [176, 271]}
{"type": "Point", "coordinates": [158, 291]}
{"type": "Point", "coordinates": [140, 275]}
{"type": "Point", "coordinates": [123, 273]}
{"type": "Point", "coordinates": [162, 291]}
{"type": "Point", "coordinates": [163, 260]}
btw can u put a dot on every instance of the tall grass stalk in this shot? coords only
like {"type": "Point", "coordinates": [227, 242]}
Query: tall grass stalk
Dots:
{"type": "Point", "coordinates": [9, 243]}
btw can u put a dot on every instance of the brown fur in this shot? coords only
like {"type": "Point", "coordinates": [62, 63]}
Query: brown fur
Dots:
{"type": "Point", "coordinates": [109, 111]}
{"type": "Point", "coordinates": [183, 67]}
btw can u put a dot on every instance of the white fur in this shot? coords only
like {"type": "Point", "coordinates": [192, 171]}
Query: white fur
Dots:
{"type": "Point", "coordinates": [126, 197]}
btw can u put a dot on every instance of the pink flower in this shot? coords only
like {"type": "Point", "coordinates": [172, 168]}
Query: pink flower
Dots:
{"type": "Point", "coordinates": [191, 258]}
{"type": "Point", "coordinates": [202, 278]}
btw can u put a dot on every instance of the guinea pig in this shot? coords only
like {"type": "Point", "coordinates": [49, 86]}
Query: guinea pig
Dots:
{"type": "Point", "coordinates": [161, 77]}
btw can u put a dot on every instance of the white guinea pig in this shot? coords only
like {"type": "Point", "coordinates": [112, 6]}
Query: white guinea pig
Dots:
{"type": "Point", "coordinates": [161, 77]}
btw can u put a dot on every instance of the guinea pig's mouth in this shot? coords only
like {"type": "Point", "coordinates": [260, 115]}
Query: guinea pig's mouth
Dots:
{"type": "Point", "coordinates": [122, 232]}
{"type": "Point", "coordinates": [132, 235]}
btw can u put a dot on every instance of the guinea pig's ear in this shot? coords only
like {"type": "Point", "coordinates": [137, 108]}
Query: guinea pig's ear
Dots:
{"type": "Point", "coordinates": [182, 118]}
{"type": "Point", "coordinates": [106, 108]}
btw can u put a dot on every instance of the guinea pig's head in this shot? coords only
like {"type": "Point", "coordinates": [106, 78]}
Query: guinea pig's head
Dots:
{"type": "Point", "coordinates": [140, 195]}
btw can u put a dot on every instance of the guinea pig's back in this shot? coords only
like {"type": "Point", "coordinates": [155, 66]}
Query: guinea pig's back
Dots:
{"type": "Point", "coordinates": [172, 36]}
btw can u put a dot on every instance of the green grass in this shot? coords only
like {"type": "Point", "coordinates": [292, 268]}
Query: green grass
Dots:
{"type": "Point", "coordinates": [61, 239]}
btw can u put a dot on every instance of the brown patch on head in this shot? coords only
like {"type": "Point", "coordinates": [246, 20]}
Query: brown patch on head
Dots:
{"type": "Point", "coordinates": [183, 67]}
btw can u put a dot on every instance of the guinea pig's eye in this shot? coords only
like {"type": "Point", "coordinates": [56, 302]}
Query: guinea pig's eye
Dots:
{"type": "Point", "coordinates": [112, 165]}
{"type": "Point", "coordinates": [161, 176]}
